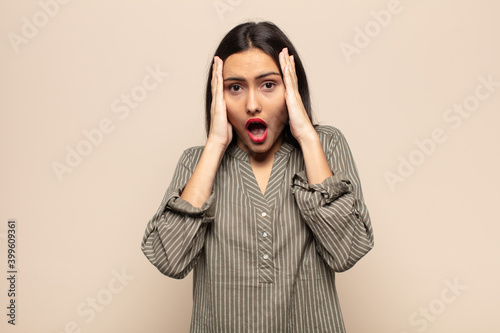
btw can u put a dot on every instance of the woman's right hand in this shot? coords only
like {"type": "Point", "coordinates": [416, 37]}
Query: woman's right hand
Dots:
{"type": "Point", "coordinates": [200, 185]}
{"type": "Point", "coordinates": [221, 131]}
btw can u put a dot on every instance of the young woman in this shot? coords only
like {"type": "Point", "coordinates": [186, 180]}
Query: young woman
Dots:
{"type": "Point", "coordinates": [270, 208]}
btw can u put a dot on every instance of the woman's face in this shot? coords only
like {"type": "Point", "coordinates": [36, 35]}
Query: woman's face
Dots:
{"type": "Point", "coordinates": [255, 100]}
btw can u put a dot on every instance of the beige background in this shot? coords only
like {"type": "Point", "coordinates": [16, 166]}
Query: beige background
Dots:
{"type": "Point", "coordinates": [75, 235]}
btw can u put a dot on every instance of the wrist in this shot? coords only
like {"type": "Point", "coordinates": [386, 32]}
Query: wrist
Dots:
{"type": "Point", "coordinates": [215, 147]}
{"type": "Point", "coordinates": [308, 138]}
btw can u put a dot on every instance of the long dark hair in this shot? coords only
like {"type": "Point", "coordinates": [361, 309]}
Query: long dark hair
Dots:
{"type": "Point", "coordinates": [267, 37]}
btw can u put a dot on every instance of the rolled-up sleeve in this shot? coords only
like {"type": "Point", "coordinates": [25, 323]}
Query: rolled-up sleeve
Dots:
{"type": "Point", "coordinates": [175, 235]}
{"type": "Point", "coordinates": [335, 210]}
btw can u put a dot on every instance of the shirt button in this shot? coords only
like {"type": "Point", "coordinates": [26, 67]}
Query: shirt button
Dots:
{"type": "Point", "coordinates": [264, 214]}
{"type": "Point", "coordinates": [265, 256]}
{"type": "Point", "coordinates": [264, 234]}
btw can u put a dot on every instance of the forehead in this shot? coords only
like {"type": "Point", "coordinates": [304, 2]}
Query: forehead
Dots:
{"type": "Point", "coordinates": [249, 63]}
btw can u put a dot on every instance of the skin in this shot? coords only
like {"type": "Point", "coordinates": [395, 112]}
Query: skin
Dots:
{"type": "Point", "coordinates": [239, 93]}
{"type": "Point", "coordinates": [253, 88]}
{"type": "Point", "coordinates": [250, 94]}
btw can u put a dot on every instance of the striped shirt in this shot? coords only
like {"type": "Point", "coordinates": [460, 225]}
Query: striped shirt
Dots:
{"type": "Point", "coordinates": [264, 262]}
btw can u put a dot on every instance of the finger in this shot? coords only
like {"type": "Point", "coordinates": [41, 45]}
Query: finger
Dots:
{"type": "Point", "coordinates": [219, 109]}
{"type": "Point", "coordinates": [214, 79]}
{"type": "Point", "coordinates": [291, 67]}
{"type": "Point", "coordinates": [220, 83]}
{"type": "Point", "coordinates": [282, 59]}
{"type": "Point", "coordinates": [292, 62]}
{"type": "Point", "coordinates": [284, 65]}
{"type": "Point", "coordinates": [292, 73]}
{"type": "Point", "coordinates": [288, 61]}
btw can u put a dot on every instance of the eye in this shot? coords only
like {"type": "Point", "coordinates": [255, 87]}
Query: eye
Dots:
{"type": "Point", "coordinates": [234, 88]}
{"type": "Point", "coordinates": [269, 85]}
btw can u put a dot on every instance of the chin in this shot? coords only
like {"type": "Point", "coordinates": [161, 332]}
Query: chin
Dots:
{"type": "Point", "coordinates": [260, 148]}
{"type": "Point", "coordinates": [246, 144]}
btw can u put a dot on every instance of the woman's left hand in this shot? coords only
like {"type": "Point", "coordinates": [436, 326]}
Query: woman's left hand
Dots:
{"type": "Point", "coordinates": [300, 125]}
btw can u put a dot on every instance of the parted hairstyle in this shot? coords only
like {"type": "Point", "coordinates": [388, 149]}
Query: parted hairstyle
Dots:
{"type": "Point", "coordinates": [267, 37]}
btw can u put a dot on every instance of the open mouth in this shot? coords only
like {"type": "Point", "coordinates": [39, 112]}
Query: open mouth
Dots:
{"type": "Point", "coordinates": [256, 129]}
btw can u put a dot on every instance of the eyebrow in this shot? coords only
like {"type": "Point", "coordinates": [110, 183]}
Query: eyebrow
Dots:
{"type": "Point", "coordinates": [236, 78]}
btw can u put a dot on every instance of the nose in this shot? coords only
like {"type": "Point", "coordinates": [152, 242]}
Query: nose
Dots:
{"type": "Point", "coordinates": [253, 102]}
